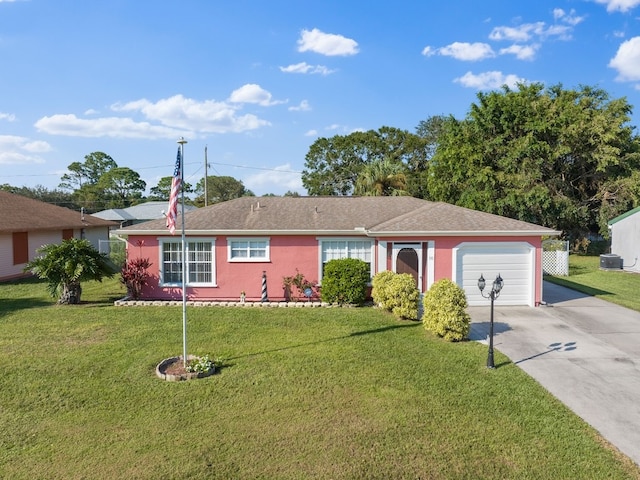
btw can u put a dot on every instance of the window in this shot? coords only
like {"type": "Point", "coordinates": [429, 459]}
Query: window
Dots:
{"type": "Point", "coordinates": [248, 250]}
{"type": "Point", "coordinates": [337, 249]}
{"type": "Point", "coordinates": [200, 263]}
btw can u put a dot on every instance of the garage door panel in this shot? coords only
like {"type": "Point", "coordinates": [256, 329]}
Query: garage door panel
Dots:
{"type": "Point", "coordinates": [514, 263]}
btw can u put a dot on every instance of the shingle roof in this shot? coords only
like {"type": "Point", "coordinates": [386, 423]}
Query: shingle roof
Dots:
{"type": "Point", "coordinates": [21, 214]}
{"type": "Point", "coordinates": [341, 215]}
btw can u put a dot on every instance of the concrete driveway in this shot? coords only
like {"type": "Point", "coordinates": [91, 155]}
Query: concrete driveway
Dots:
{"type": "Point", "coordinates": [583, 350]}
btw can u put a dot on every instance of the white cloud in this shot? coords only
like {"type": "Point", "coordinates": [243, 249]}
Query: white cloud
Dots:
{"type": "Point", "coordinates": [302, 107]}
{"type": "Point", "coordinates": [311, 133]}
{"type": "Point", "coordinates": [627, 60]}
{"type": "Point", "coordinates": [527, 31]}
{"type": "Point", "coordinates": [326, 43]}
{"type": "Point", "coordinates": [488, 80]}
{"type": "Point", "coordinates": [252, 93]}
{"type": "Point", "coordinates": [278, 181]}
{"type": "Point", "coordinates": [9, 117]}
{"type": "Point", "coordinates": [571, 18]}
{"type": "Point", "coordinates": [429, 51]}
{"type": "Point", "coordinates": [467, 51]}
{"type": "Point", "coordinates": [620, 5]}
{"type": "Point", "coordinates": [114, 127]}
{"type": "Point", "coordinates": [166, 118]}
{"type": "Point", "coordinates": [15, 150]}
{"type": "Point", "coordinates": [304, 67]}
{"type": "Point", "coordinates": [521, 52]}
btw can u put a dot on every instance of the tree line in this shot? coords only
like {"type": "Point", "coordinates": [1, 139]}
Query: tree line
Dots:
{"type": "Point", "coordinates": [568, 159]}
{"type": "Point", "coordinates": [99, 184]}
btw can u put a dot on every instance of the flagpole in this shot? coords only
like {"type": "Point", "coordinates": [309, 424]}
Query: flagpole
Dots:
{"type": "Point", "coordinates": [182, 141]}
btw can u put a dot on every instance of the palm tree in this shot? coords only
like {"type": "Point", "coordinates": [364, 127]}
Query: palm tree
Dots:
{"type": "Point", "coordinates": [382, 178]}
{"type": "Point", "coordinates": [67, 264]}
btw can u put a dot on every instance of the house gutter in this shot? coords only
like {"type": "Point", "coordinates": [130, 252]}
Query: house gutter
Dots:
{"type": "Point", "coordinates": [359, 231]}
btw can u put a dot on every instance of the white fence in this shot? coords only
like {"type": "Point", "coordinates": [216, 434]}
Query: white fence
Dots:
{"type": "Point", "coordinates": [555, 257]}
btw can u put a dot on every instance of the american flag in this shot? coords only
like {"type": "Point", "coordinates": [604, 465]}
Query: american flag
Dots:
{"type": "Point", "coordinates": [173, 197]}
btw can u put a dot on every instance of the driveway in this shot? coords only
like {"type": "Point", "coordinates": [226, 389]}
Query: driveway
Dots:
{"type": "Point", "coordinates": [583, 350]}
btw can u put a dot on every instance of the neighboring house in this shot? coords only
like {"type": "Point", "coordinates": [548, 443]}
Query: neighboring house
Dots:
{"type": "Point", "coordinates": [138, 213]}
{"type": "Point", "coordinates": [229, 245]}
{"type": "Point", "coordinates": [28, 224]}
{"type": "Point", "coordinates": [625, 238]}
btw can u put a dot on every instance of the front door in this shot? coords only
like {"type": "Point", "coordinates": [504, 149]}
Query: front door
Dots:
{"type": "Point", "coordinates": [407, 262]}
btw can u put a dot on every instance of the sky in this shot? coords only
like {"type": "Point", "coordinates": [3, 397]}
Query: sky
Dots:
{"type": "Point", "coordinates": [255, 83]}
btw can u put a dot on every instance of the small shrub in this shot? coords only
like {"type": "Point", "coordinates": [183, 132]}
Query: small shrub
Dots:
{"type": "Point", "coordinates": [397, 293]}
{"type": "Point", "coordinates": [134, 276]}
{"type": "Point", "coordinates": [300, 283]}
{"type": "Point", "coordinates": [445, 311]}
{"type": "Point", "coordinates": [404, 296]}
{"type": "Point", "coordinates": [380, 291]}
{"type": "Point", "coordinates": [345, 281]}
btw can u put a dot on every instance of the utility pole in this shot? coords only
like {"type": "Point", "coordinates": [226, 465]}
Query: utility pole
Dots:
{"type": "Point", "coordinates": [206, 177]}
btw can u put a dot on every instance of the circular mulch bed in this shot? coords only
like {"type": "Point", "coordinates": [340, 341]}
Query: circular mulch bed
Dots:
{"type": "Point", "coordinates": [172, 369]}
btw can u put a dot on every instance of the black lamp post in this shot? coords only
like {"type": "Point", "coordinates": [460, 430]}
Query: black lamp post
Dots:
{"type": "Point", "coordinates": [493, 294]}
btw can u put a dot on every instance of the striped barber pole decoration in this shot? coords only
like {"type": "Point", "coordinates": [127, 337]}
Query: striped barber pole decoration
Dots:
{"type": "Point", "coordinates": [265, 297]}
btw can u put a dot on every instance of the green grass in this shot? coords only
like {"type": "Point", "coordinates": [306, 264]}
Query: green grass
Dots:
{"type": "Point", "coordinates": [304, 393]}
{"type": "Point", "coordinates": [614, 286]}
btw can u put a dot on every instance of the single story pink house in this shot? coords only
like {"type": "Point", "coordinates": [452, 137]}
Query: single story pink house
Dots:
{"type": "Point", "coordinates": [230, 245]}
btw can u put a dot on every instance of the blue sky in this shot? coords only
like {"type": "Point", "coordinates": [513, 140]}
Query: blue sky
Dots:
{"type": "Point", "coordinates": [257, 82]}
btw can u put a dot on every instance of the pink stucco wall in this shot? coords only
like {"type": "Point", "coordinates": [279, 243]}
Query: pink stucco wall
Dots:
{"type": "Point", "coordinates": [301, 253]}
{"type": "Point", "coordinates": [286, 255]}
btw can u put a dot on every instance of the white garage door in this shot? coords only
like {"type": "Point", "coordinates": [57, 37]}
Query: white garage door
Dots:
{"type": "Point", "coordinates": [514, 261]}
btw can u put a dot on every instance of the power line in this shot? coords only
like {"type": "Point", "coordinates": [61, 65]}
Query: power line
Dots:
{"type": "Point", "coordinates": [168, 167]}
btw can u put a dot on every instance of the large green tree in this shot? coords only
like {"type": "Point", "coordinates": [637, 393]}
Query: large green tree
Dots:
{"type": "Point", "coordinates": [332, 165]}
{"type": "Point", "coordinates": [66, 265]}
{"type": "Point", "coordinates": [220, 189]}
{"type": "Point", "coordinates": [162, 190]}
{"type": "Point", "coordinates": [83, 180]}
{"type": "Point", "coordinates": [88, 172]}
{"type": "Point", "coordinates": [566, 159]}
{"type": "Point", "coordinates": [122, 186]}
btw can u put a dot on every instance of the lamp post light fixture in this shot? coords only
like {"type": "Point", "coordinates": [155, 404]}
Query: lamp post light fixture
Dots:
{"type": "Point", "coordinates": [493, 294]}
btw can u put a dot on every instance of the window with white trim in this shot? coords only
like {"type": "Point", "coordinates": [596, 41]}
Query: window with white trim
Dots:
{"type": "Point", "coordinates": [337, 249]}
{"type": "Point", "coordinates": [248, 250]}
{"type": "Point", "coordinates": [200, 262]}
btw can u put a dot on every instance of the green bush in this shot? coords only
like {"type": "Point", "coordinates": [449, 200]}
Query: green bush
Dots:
{"type": "Point", "coordinates": [404, 302]}
{"type": "Point", "coordinates": [445, 311]}
{"type": "Point", "coordinates": [380, 291]}
{"type": "Point", "coordinates": [345, 281]}
{"type": "Point", "coordinates": [397, 293]}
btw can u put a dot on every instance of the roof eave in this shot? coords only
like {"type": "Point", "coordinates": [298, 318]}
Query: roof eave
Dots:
{"type": "Point", "coordinates": [467, 233]}
{"type": "Point", "coordinates": [355, 232]}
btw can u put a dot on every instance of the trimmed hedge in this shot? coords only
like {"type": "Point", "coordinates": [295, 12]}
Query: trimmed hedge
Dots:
{"type": "Point", "coordinates": [345, 281]}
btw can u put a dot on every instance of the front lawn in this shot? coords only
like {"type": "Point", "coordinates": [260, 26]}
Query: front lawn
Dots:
{"type": "Point", "coordinates": [305, 393]}
{"type": "Point", "coordinates": [614, 286]}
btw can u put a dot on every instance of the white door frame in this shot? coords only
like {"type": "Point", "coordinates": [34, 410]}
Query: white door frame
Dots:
{"type": "Point", "coordinates": [417, 247]}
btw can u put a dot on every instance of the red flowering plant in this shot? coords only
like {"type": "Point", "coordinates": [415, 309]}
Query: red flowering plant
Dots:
{"type": "Point", "coordinates": [134, 276]}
